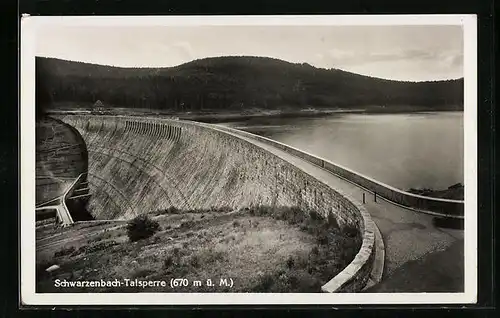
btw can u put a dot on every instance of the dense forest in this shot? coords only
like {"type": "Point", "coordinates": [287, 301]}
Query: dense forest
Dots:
{"type": "Point", "coordinates": [236, 83]}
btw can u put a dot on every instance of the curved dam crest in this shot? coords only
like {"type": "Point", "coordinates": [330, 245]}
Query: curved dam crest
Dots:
{"type": "Point", "coordinates": [141, 165]}
{"type": "Point", "coordinates": [146, 165]}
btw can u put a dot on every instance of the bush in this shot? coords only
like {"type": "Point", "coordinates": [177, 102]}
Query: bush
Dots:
{"type": "Point", "coordinates": [141, 227]}
{"type": "Point", "coordinates": [315, 250]}
{"type": "Point", "coordinates": [264, 284]}
{"type": "Point", "coordinates": [172, 210]}
{"type": "Point", "coordinates": [350, 230]}
{"type": "Point", "coordinates": [188, 224]}
{"type": "Point", "coordinates": [169, 261]}
{"type": "Point", "coordinates": [141, 273]}
{"type": "Point", "coordinates": [315, 216]}
{"type": "Point", "coordinates": [95, 247]}
{"type": "Point", "coordinates": [323, 239]}
{"type": "Point", "coordinates": [65, 251]}
{"type": "Point", "coordinates": [223, 209]}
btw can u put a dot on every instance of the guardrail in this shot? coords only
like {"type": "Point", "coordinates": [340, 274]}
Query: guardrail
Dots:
{"type": "Point", "coordinates": [356, 275]}
{"type": "Point", "coordinates": [62, 210]}
{"type": "Point", "coordinates": [69, 193]}
{"type": "Point", "coordinates": [434, 206]}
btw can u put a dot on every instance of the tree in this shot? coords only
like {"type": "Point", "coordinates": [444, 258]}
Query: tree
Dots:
{"type": "Point", "coordinates": [141, 227]}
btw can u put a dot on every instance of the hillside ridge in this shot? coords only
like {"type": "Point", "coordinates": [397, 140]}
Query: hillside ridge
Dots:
{"type": "Point", "coordinates": [239, 83]}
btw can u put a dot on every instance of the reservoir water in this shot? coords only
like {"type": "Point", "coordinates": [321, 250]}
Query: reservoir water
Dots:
{"type": "Point", "coordinates": [417, 150]}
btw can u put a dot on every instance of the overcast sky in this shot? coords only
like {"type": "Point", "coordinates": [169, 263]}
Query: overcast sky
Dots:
{"type": "Point", "coordinates": [412, 53]}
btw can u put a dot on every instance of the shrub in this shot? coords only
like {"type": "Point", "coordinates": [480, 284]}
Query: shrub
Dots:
{"type": "Point", "coordinates": [195, 261]}
{"type": "Point", "coordinates": [304, 227]}
{"type": "Point", "coordinates": [264, 284]}
{"type": "Point", "coordinates": [187, 224]}
{"type": "Point", "coordinates": [303, 282]}
{"type": "Point", "coordinates": [176, 251]}
{"type": "Point", "coordinates": [96, 246]}
{"type": "Point", "coordinates": [172, 210]}
{"type": "Point", "coordinates": [350, 230]}
{"type": "Point", "coordinates": [65, 251]}
{"type": "Point", "coordinates": [323, 239]}
{"type": "Point", "coordinates": [169, 261]}
{"type": "Point", "coordinates": [205, 257]}
{"type": "Point", "coordinates": [296, 215]}
{"type": "Point", "coordinates": [223, 209]}
{"type": "Point", "coordinates": [141, 273]}
{"type": "Point", "coordinates": [315, 216]}
{"type": "Point", "coordinates": [315, 250]}
{"type": "Point", "coordinates": [262, 210]}
{"type": "Point", "coordinates": [141, 227]}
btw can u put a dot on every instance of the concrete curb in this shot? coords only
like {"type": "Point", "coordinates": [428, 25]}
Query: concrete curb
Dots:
{"type": "Point", "coordinates": [378, 262]}
{"type": "Point", "coordinates": [354, 277]}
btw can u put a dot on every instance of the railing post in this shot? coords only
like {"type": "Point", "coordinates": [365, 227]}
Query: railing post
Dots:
{"type": "Point", "coordinates": [364, 198]}
{"type": "Point", "coordinates": [375, 196]}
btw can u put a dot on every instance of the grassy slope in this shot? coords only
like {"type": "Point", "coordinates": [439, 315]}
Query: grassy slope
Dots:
{"type": "Point", "coordinates": [262, 249]}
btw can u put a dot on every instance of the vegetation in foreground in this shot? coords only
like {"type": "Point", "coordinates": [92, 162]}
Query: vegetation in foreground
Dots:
{"type": "Point", "coordinates": [454, 192]}
{"type": "Point", "coordinates": [262, 249]}
{"type": "Point", "coordinates": [142, 227]}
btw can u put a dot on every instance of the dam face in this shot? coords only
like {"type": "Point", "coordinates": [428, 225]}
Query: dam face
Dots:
{"type": "Point", "coordinates": [61, 156]}
{"type": "Point", "coordinates": [139, 165]}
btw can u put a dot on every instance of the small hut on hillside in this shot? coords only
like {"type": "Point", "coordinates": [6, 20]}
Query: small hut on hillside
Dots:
{"type": "Point", "coordinates": [98, 106]}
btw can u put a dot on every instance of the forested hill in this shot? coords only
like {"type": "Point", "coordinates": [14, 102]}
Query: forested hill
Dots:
{"type": "Point", "coordinates": [237, 83]}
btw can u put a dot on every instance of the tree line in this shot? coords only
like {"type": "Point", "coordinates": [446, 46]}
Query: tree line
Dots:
{"type": "Point", "coordinates": [235, 83]}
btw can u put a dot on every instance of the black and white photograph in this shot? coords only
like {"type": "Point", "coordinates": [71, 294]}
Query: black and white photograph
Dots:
{"type": "Point", "coordinates": [248, 160]}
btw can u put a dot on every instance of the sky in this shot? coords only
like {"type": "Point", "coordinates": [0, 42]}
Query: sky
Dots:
{"type": "Point", "coordinates": [410, 53]}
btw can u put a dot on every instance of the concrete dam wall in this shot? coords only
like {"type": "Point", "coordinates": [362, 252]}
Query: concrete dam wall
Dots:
{"type": "Point", "coordinates": [61, 156]}
{"type": "Point", "coordinates": [437, 206]}
{"type": "Point", "coordinates": [140, 165]}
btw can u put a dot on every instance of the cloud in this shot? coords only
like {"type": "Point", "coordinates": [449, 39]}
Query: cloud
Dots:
{"type": "Point", "coordinates": [361, 57]}
{"type": "Point", "coordinates": [402, 64]}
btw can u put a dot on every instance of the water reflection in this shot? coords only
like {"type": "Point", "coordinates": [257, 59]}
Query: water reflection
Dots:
{"type": "Point", "coordinates": [421, 150]}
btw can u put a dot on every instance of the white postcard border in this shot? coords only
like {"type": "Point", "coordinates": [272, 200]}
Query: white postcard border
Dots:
{"type": "Point", "coordinates": [29, 27]}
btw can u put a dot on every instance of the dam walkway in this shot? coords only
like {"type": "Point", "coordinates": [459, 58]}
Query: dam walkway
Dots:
{"type": "Point", "coordinates": [419, 256]}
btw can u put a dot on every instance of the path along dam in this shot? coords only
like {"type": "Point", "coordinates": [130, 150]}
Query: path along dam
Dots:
{"type": "Point", "coordinates": [139, 165]}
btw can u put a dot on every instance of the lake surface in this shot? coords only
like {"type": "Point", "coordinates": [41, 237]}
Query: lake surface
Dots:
{"type": "Point", "coordinates": [418, 150]}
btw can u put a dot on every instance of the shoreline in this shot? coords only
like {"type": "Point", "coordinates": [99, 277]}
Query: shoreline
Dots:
{"type": "Point", "coordinates": [227, 116]}
{"type": "Point", "coordinates": [453, 192]}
